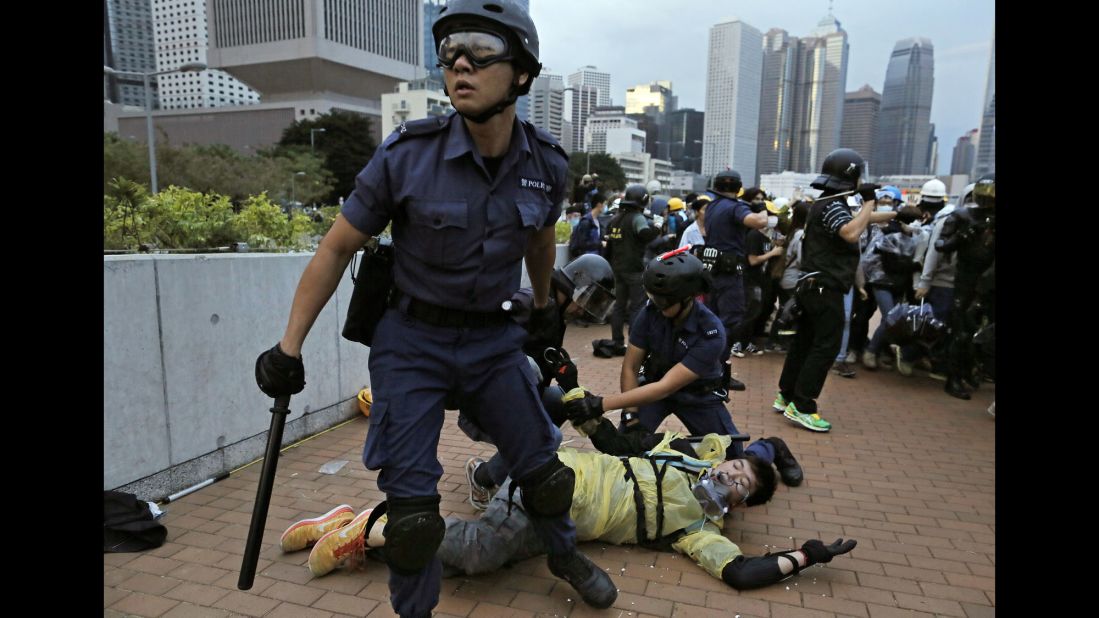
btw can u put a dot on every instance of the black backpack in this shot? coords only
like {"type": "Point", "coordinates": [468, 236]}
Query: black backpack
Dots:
{"type": "Point", "coordinates": [128, 524]}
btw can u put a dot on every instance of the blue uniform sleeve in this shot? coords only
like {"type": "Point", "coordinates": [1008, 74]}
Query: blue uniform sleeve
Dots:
{"type": "Point", "coordinates": [834, 217]}
{"type": "Point", "coordinates": [640, 329]}
{"type": "Point", "coordinates": [741, 210]}
{"type": "Point", "coordinates": [370, 207]}
{"type": "Point", "coordinates": [705, 354]}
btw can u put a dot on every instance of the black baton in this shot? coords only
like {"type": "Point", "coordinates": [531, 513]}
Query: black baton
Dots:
{"type": "Point", "coordinates": [263, 495]}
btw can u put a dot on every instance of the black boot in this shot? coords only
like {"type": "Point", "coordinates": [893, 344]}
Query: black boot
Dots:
{"type": "Point", "coordinates": [731, 383]}
{"type": "Point", "coordinates": [956, 389]}
{"type": "Point", "coordinates": [595, 586]}
{"type": "Point", "coordinates": [788, 467]}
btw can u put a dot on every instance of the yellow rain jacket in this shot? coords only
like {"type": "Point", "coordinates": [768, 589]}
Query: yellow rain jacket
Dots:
{"type": "Point", "coordinates": [604, 507]}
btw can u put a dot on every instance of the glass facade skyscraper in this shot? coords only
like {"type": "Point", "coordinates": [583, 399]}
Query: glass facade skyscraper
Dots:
{"type": "Point", "coordinates": [734, 71]}
{"type": "Point", "coordinates": [904, 125]}
{"type": "Point", "coordinates": [986, 149]}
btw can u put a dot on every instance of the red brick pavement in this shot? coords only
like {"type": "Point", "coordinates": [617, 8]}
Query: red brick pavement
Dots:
{"type": "Point", "coordinates": [906, 470]}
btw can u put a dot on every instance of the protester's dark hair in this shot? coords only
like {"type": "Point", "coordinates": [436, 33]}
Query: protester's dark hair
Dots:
{"type": "Point", "coordinates": [908, 214]}
{"type": "Point", "coordinates": [597, 199]}
{"type": "Point", "coordinates": [765, 481]}
{"type": "Point", "coordinates": [750, 193]}
{"type": "Point", "coordinates": [690, 197]}
{"type": "Point", "coordinates": [800, 215]}
{"type": "Point", "coordinates": [575, 208]}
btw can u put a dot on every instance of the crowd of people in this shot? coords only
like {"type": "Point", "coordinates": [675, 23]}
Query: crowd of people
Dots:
{"type": "Point", "coordinates": [695, 281]}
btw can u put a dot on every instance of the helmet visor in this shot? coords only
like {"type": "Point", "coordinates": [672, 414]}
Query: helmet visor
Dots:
{"type": "Point", "coordinates": [984, 193]}
{"type": "Point", "coordinates": [662, 302]}
{"type": "Point", "coordinates": [595, 299]}
{"type": "Point", "coordinates": [480, 48]}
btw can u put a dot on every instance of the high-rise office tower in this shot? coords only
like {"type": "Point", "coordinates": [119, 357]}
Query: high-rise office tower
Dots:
{"type": "Point", "coordinates": [180, 31]}
{"type": "Point", "coordinates": [965, 153]}
{"type": "Point", "coordinates": [128, 46]}
{"type": "Point", "coordinates": [733, 74]}
{"type": "Point", "coordinates": [904, 123]}
{"type": "Point", "coordinates": [590, 89]}
{"type": "Point", "coordinates": [986, 150]}
{"type": "Point", "coordinates": [431, 12]}
{"type": "Point", "coordinates": [610, 130]}
{"type": "Point", "coordinates": [684, 130]}
{"type": "Point", "coordinates": [649, 104]}
{"type": "Point", "coordinates": [821, 84]}
{"type": "Point", "coordinates": [778, 91]}
{"type": "Point", "coordinates": [547, 104]}
{"type": "Point", "coordinates": [860, 122]}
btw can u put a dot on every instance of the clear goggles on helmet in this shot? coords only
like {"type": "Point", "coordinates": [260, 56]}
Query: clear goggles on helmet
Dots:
{"type": "Point", "coordinates": [480, 47]}
{"type": "Point", "coordinates": [595, 299]}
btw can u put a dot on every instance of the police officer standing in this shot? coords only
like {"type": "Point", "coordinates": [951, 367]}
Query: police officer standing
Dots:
{"type": "Point", "coordinates": [628, 233]}
{"type": "Point", "coordinates": [469, 196]}
{"type": "Point", "coordinates": [971, 232]}
{"type": "Point", "coordinates": [727, 222]}
{"type": "Point", "coordinates": [830, 256]}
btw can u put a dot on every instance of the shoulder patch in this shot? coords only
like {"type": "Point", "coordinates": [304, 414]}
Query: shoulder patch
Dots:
{"type": "Point", "coordinates": [414, 128]}
{"type": "Point", "coordinates": [544, 137]}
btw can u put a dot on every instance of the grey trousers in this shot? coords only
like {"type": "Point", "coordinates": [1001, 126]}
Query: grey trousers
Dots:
{"type": "Point", "coordinates": [483, 545]}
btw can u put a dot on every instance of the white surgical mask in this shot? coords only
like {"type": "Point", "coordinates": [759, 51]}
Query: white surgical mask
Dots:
{"type": "Point", "coordinates": [772, 221]}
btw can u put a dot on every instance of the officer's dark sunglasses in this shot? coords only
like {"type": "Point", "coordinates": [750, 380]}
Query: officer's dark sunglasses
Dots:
{"type": "Point", "coordinates": [481, 48]}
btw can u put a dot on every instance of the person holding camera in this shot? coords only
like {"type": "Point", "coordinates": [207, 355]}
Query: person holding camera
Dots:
{"type": "Point", "coordinates": [831, 255]}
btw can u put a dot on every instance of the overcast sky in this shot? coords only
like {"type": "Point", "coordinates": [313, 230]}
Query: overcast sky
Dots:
{"type": "Point", "coordinates": [640, 41]}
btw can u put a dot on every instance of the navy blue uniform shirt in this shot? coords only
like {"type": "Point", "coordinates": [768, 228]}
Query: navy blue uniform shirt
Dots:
{"type": "Point", "coordinates": [725, 228]}
{"type": "Point", "coordinates": [697, 343]}
{"type": "Point", "coordinates": [459, 234]}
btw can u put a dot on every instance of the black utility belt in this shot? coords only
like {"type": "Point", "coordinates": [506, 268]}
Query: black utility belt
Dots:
{"type": "Point", "coordinates": [436, 315]}
{"type": "Point", "coordinates": [704, 387]}
{"type": "Point", "coordinates": [719, 262]}
{"type": "Point", "coordinates": [819, 283]}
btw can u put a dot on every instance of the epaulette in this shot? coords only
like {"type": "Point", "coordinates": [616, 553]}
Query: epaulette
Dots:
{"type": "Point", "coordinates": [544, 137]}
{"type": "Point", "coordinates": [414, 128]}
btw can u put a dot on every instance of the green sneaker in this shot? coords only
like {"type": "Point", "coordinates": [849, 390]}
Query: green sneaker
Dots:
{"type": "Point", "coordinates": [812, 422]}
{"type": "Point", "coordinates": [780, 403]}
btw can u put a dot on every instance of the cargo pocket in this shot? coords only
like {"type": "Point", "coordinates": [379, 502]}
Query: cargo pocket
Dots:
{"type": "Point", "coordinates": [375, 453]}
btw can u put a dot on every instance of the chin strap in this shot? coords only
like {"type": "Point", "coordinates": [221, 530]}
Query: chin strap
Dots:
{"type": "Point", "coordinates": [483, 117]}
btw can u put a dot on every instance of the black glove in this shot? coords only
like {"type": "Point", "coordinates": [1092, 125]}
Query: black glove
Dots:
{"type": "Point", "coordinates": [543, 325]}
{"type": "Point", "coordinates": [279, 375]}
{"type": "Point", "coordinates": [584, 409]}
{"type": "Point", "coordinates": [567, 376]}
{"type": "Point", "coordinates": [868, 191]}
{"type": "Point", "coordinates": [817, 552]}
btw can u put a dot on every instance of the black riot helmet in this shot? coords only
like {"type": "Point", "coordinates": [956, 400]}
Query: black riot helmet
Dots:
{"type": "Point", "coordinates": [674, 277]}
{"type": "Point", "coordinates": [636, 196]}
{"type": "Point", "coordinates": [840, 172]}
{"type": "Point", "coordinates": [589, 282]}
{"type": "Point", "coordinates": [501, 16]}
{"type": "Point", "coordinates": [728, 181]}
{"type": "Point", "coordinates": [984, 192]}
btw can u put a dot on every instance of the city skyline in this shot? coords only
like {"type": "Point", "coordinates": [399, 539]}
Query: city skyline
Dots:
{"type": "Point", "coordinates": [574, 34]}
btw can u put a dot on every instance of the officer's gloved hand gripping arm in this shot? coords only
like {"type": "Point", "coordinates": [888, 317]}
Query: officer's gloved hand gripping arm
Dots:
{"type": "Point", "coordinates": [853, 229]}
{"type": "Point", "coordinates": [279, 371]}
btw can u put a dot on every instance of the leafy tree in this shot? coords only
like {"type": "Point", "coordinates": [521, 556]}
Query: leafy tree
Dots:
{"type": "Point", "coordinates": [346, 146]}
{"type": "Point", "coordinates": [219, 169]}
{"type": "Point", "coordinates": [180, 219]}
{"type": "Point", "coordinates": [611, 176]}
{"type": "Point", "coordinates": [263, 224]}
{"type": "Point", "coordinates": [122, 218]}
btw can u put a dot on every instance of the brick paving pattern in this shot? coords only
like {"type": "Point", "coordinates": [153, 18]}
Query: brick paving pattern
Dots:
{"type": "Point", "coordinates": [906, 470]}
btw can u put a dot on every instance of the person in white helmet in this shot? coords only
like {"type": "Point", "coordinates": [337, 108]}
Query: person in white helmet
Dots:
{"type": "Point", "coordinates": [935, 283]}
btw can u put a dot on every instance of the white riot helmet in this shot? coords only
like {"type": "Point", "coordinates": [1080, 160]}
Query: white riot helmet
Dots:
{"type": "Point", "coordinates": [653, 187]}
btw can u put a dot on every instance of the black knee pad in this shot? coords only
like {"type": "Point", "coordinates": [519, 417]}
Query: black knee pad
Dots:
{"type": "Point", "coordinates": [413, 533]}
{"type": "Point", "coordinates": [547, 491]}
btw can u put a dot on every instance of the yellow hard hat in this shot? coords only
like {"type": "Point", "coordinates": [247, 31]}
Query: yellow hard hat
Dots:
{"type": "Point", "coordinates": [675, 204]}
{"type": "Point", "coordinates": [741, 192]}
{"type": "Point", "coordinates": [365, 399]}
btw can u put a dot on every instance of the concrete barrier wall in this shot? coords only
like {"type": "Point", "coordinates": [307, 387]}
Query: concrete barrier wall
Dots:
{"type": "Point", "coordinates": [181, 336]}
